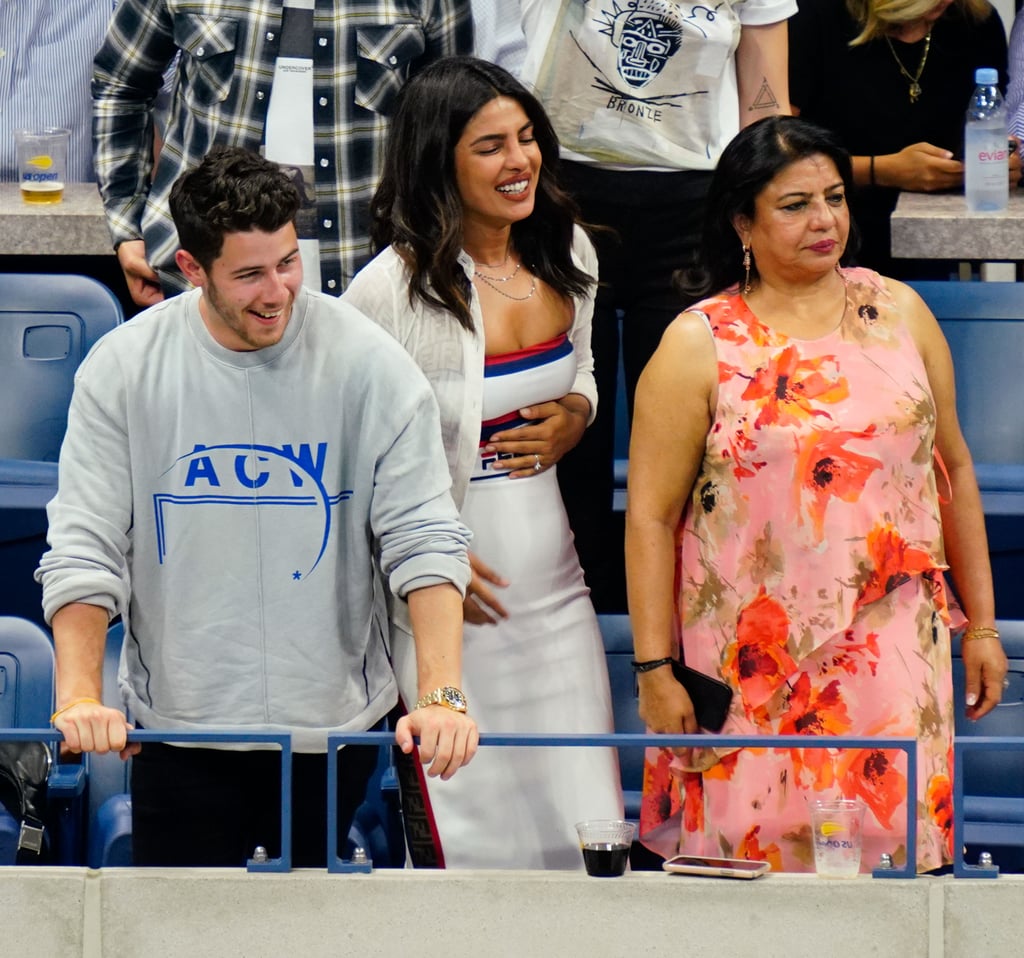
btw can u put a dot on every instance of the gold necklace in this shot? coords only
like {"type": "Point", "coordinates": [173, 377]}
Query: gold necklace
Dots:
{"type": "Point", "coordinates": [915, 86]}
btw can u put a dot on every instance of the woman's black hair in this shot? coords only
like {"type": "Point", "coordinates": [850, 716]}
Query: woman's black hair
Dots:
{"type": "Point", "coordinates": [754, 157]}
{"type": "Point", "coordinates": [417, 207]}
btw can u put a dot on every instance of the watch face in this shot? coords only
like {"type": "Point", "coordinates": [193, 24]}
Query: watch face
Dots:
{"type": "Point", "coordinates": [453, 698]}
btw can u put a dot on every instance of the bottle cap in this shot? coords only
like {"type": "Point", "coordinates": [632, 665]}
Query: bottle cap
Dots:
{"type": "Point", "coordinates": [986, 76]}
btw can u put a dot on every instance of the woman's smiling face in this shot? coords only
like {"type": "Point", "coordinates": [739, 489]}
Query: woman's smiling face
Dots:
{"type": "Point", "coordinates": [497, 164]}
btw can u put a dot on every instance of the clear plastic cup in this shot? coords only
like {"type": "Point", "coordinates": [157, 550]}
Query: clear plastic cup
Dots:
{"type": "Point", "coordinates": [836, 827]}
{"type": "Point", "coordinates": [42, 158]}
{"type": "Point", "coordinates": [605, 844]}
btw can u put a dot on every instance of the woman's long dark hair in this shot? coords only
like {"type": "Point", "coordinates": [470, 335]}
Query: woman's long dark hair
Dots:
{"type": "Point", "coordinates": [748, 164]}
{"type": "Point", "coordinates": [417, 207]}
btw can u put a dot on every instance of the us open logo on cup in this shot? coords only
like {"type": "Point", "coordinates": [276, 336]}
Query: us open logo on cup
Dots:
{"type": "Point", "coordinates": [830, 832]}
{"type": "Point", "coordinates": [42, 170]}
{"type": "Point", "coordinates": [41, 180]}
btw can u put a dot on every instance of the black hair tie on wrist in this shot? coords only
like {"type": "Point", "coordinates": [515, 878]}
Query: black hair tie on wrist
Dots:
{"type": "Point", "coordinates": [651, 664]}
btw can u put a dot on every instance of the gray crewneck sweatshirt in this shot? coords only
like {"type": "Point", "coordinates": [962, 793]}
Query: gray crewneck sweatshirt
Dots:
{"type": "Point", "coordinates": [246, 512]}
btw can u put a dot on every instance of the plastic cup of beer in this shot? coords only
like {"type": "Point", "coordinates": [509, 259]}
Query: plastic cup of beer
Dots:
{"type": "Point", "coordinates": [42, 157]}
{"type": "Point", "coordinates": [605, 844]}
{"type": "Point", "coordinates": [836, 827]}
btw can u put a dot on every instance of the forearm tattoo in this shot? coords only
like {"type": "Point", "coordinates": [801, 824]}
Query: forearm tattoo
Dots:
{"type": "Point", "coordinates": [765, 101]}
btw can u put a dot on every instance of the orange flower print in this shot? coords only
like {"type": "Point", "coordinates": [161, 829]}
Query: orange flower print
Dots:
{"type": "Point", "coordinates": [693, 802]}
{"type": "Point", "coordinates": [854, 655]}
{"type": "Point", "coordinates": [750, 848]}
{"type": "Point", "coordinates": [815, 711]}
{"type": "Point", "coordinates": [788, 387]}
{"type": "Point", "coordinates": [893, 562]}
{"type": "Point", "coordinates": [825, 470]}
{"type": "Point", "coordinates": [759, 660]}
{"type": "Point", "coordinates": [872, 777]}
{"type": "Point", "coordinates": [661, 790]}
{"type": "Point", "coordinates": [940, 807]}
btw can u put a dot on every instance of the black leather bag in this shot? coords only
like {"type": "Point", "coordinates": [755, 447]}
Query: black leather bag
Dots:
{"type": "Point", "coordinates": [24, 769]}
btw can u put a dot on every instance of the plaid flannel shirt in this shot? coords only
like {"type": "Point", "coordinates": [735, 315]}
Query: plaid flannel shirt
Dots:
{"type": "Point", "coordinates": [363, 51]}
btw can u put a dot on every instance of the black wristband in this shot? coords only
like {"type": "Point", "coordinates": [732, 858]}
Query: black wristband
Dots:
{"type": "Point", "coordinates": [652, 664]}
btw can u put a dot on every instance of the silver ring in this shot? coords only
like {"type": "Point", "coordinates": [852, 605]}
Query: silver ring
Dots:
{"type": "Point", "coordinates": [536, 465]}
{"type": "Point", "coordinates": [1006, 683]}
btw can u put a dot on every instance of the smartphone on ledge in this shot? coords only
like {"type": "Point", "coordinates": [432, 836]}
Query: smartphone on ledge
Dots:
{"type": "Point", "coordinates": [715, 867]}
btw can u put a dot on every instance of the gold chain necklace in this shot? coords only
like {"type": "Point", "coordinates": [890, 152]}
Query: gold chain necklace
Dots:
{"type": "Point", "coordinates": [915, 86]}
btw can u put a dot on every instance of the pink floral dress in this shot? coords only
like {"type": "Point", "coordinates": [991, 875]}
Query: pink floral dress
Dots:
{"type": "Point", "coordinates": [809, 577]}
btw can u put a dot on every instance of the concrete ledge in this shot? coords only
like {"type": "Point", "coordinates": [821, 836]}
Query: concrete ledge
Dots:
{"type": "Point", "coordinates": [42, 911]}
{"type": "Point", "coordinates": [938, 226]}
{"type": "Point", "coordinates": [75, 227]}
{"type": "Point", "coordinates": [124, 913]}
{"type": "Point", "coordinates": [984, 921]}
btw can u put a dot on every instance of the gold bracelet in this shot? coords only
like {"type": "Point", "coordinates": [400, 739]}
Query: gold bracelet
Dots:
{"type": "Point", "coordinates": [72, 704]}
{"type": "Point", "coordinates": [980, 632]}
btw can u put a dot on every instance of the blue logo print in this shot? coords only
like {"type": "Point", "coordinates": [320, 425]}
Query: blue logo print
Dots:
{"type": "Point", "coordinates": [251, 475]}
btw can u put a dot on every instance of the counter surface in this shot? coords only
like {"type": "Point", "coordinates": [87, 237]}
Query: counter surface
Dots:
{"type": "Point", "coordinates": [75, 227]}
{"type": "Point", "coordinates": [938, 226]}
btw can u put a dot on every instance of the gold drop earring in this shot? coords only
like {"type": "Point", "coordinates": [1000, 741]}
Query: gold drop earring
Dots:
{"type": "Point", "coordinates": [746, 269]}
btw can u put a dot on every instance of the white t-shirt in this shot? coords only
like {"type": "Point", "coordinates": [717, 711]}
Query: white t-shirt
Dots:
{"type": "Point", "coordinates": [288, 135]}
{"type": "Point", "coordinates": [644, 84]}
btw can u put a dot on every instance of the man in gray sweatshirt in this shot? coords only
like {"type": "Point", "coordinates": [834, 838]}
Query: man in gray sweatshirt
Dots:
{"type": "Point", "coordinates": [252, 474]}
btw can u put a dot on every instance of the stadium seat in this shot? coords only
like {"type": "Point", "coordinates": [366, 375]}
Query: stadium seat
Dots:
{"type": "Point", "coordinates": [617, 634]}
{"type": "Point", "coordinates": [109, 828]}
{"type": "Point", "coordinates": [994, 781]}
{"type": "Point", "coordinates": [26, 701]}
{"type": "Point", "coordinates": [984, 325]}
{"type": "Point", "coordinates": [47, 325]}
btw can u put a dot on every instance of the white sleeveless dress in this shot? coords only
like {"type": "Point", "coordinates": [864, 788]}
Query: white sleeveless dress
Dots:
{"type": "Point", "coordinates": [540, 670]}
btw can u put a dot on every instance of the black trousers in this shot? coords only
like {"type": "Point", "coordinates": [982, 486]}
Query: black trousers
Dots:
{"type": "Point", "coordinates": [212, 807]}
{"type": "Point", "coordinates": [655, 222]}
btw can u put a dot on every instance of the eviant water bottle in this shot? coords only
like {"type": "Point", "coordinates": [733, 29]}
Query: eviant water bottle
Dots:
{"type": "Point", "coordinates": [986, 150]}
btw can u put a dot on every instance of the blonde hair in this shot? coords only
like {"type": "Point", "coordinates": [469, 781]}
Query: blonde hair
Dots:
{"type": "Point", "coordinates": [877, 16]}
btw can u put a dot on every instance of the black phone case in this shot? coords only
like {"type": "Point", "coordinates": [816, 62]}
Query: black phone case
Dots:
{"type": "Point", "coordinates": [710, 697]}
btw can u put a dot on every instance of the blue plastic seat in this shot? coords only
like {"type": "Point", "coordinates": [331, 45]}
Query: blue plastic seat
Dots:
{"type": "Point", "coordinates": [984, 325]}
{"type": "Point", "coordinates": [617, 633]}
{"type": "Point", "coordinates": [26, 701]}
{"type": "Point", "coordinates": [109, 827]}
{"type": "Point", "coordinates": [26, 674]}
{"type": "Point", "coordinates": [47, 325]}
{"type": "Point", "coordinates": [994, 781]}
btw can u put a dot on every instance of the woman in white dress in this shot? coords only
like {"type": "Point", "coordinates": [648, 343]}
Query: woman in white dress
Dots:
{"type": "Point", "coordinates": [488, 281]}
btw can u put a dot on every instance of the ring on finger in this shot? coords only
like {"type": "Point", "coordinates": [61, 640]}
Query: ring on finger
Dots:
{"type": "Point", "coordinates": [1006, 683]}
{"type": "Point", "coordinates": [536, 465]}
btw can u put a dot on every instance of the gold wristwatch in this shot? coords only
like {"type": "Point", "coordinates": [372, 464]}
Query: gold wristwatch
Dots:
{"type": "Point", "coordinates": [448, 696]}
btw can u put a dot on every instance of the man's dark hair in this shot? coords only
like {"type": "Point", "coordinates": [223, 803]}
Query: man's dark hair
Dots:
{"type": "Point", "coordinates": [231, 191]}
{"type": "Point", "coordinates": [748, 164]}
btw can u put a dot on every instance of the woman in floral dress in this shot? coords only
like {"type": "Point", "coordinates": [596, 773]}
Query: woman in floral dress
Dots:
{"type": "Point", "coordinates": [798, 482]}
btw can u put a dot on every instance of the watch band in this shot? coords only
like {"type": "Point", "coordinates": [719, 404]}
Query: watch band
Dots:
{"type": "Point", "coordinates": [448, 696]}
{"type": "Point", "coordinates": [650, 664]}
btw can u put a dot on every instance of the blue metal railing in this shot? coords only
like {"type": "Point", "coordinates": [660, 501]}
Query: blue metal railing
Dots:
{"type": "Point", "coordinates": [337, 739]}
{"type": "Point", "coordinates": [211, 736]}
{"type": "Point", "coordinates": [620, 740]}
{"type": "Point", "coordinates": [970, 743]}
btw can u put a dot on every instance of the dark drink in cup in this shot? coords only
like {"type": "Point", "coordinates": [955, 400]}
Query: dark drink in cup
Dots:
{"type": "Point", "coordinates": [605, 859]}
